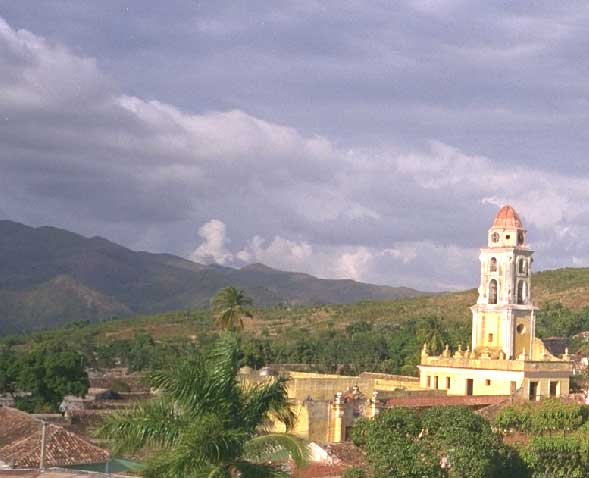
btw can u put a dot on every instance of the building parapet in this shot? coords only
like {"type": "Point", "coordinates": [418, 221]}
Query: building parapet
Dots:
{"type": "Point", "coordinates": [497, 364]}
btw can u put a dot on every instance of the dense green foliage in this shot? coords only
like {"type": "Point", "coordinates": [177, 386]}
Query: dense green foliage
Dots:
{"type": "Point", "coordinates": [403, 443]}
{"type": "Point", "coordinates": [545, 417]}
{"type": "Point", "coordinates": [354, 472]}
{"type": "Point", "coordinates": [556, 320]}
{"type": "Point", "coordinates": [360, 347]}
{"type": "Point", "coordinates": [140, 353]}
{"type": "Point", "coordinates": [347, 339]}
{"type": "Point", "coordinates": [204, 423]}
{"type": "Point", "coordinates": [557, 433]}
{"type": "Point", "coordinates": [566, 457]}
{"type": "Point", "coordinates": [48, 372]}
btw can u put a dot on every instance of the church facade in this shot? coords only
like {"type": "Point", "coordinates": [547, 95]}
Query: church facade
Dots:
{"type": "Point", "coordinates": [504, 357]}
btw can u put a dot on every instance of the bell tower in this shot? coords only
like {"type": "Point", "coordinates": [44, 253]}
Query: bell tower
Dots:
{"type": "Point", "coordinates": [503, 323]}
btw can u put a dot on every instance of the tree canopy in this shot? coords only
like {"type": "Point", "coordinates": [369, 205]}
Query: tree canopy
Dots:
{"type": "Point", "coordinates": [48, 373]}
{"type": "Point", "coordinates": [401, 442]}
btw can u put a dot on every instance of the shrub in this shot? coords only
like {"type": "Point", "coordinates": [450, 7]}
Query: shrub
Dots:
{"type": "Point", "coordinates": [515, 417]}
{"type": "Point", "coordinates": [557, 457]}
{"type": "Point", "coordinates": [555, 415]}
{"type": "Point", "coordinates": [547, 416]}
{"type": "Point", "coordinates": [354, 472]}
{"type": "Point", "coordinates": [119, 386]}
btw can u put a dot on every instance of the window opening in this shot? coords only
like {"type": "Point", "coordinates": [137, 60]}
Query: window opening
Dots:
{"type": "Point", "coordinates": [493, 291]}
{"type": "Point", "coordinates": [521, 292]}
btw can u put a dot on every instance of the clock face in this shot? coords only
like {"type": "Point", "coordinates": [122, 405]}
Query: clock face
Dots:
{"type": "Point", "coordinates": [495, 237]}
{"type": "Point", "coordinates": [520, 238]}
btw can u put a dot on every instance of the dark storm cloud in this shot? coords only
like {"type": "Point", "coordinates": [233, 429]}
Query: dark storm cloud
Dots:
{"type": "Point", "coordinates": [475, 74]}
{"type": "Point", "coordinates": [311, 135]}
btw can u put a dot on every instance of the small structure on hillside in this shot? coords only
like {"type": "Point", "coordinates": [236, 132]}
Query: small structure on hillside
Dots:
{"type": "Point", "coordinates": [505, 357]}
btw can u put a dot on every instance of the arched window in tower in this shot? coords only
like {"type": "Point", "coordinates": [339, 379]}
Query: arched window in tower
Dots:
{"type": "Point", "coordinates": [522, 292]}
{"type": "Point", "coordinates": [493, 267]}
{"type": "Point", "coordinates": [522, 266]}
{"type": "Point", "coordinates": [493, 291]}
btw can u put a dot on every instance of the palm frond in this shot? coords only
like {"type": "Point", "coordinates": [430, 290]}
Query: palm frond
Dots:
{"type": "Point", "coordinates": [182, 382]}
{"type": "Point", "coordinates": [151, 423]}
{"type": "Point", "coordinates": [223, 362]}
{"type": "Point", "coordinates": [276, 446]}
{"type": "Point", "coordinates": [212, 441]}
{"type": "Point", "coordinates": [204, 448]}
{"type": "Point", "coordinates": [259, 470]}
{"type": "Point", "coordinates": [169, 463]}
{"type": "Point", "coordinates": [268, 398]}
{"type": "Point", "coordinates": [204, 383]}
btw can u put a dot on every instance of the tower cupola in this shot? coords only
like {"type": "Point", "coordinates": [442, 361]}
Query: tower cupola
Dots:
{"type": "Point", "coordinates": [507, 229]}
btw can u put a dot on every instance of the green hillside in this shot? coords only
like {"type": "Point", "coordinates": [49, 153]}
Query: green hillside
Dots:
{"type": "Point", "coordinates": [367, 335]}
{"type": "Point", "coordinates": [570, 287]}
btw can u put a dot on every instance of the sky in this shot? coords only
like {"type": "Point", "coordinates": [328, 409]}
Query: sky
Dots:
{"type": "Point", "coordinates": [347, 139]}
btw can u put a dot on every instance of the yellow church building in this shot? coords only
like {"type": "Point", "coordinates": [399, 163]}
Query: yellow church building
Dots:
{"type": "Point", "coordinates": [505, 357]}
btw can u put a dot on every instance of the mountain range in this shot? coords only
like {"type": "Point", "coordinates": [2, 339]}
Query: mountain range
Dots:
{"type": "Point", "coordinates": [50, 277]}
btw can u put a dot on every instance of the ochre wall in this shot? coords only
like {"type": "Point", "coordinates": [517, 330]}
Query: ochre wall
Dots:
{"type": "Point", "coordinates": [316, 386]}
{"type": "Point", "coordinates": [490, 324]}
{"type": "Point", "coordinates": [524, 340]}
{"type": "Point", "coordinates": [497, 382]}
{"type": "Point", "coordinates": [485, 382]}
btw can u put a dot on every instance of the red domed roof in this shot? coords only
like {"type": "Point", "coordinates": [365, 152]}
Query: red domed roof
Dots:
{"type": "Point", "coordinates": [507, 218]}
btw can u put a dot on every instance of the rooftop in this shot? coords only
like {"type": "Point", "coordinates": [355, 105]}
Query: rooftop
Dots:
{"type": "Point", "coordinates": [54, 473]}
{"type": "Point", "coordinates": [507, 218]}
{"type": "Point", "coordinates": [21, 437]}
{"type": "Point", "coordinates": [449, 400]}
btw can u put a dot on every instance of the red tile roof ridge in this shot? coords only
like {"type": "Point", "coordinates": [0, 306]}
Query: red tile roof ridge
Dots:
{"type": "Point", "coordinates": [448, 400]}
{"type": "Point", "coordinates": [16, 411]}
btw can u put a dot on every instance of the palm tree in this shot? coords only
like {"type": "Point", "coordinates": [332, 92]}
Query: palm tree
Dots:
{"type": "Point", "coordinates": [204, 423]}
{"type": "Point", "coordinates": [434, 334]}
{"type": "Point", "coordinates": [229, 307]}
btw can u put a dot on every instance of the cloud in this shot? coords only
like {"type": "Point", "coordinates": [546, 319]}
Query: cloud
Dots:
{"type": "Point", "coordinates": [213, 248]}
{"type": "Point", "coordinates": [81, 152]}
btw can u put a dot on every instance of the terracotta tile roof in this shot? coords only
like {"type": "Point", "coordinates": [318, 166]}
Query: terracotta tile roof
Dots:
{"type": "Point", "coordinates": [346, 453]}
{"type": "Point", "coordinates": [318, 470]}
{"type": "Point", "coordinates": [16, 425]}
{"type": "Point", "coordinates": [19, 474]}
{"type": "Point", "coordinates": [507, 218]}
{"type": "Point", "coordinates": [491, 411]}
{"type": "Point", "coordinates": [62, 448]}
{"type": "Point", "coordinates": [55, 473]}
{"type": "Point", "coordinates": [437, 401]}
